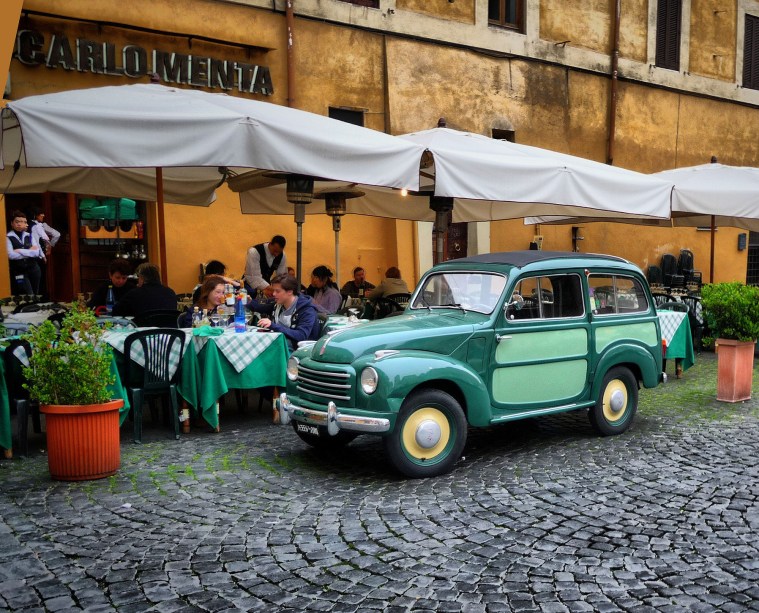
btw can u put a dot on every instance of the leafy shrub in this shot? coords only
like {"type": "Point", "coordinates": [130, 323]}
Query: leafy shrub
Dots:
{"type": "Point", "coordinates": [732, 310]}
{"type": "Point", "coordinates": [70, 367]}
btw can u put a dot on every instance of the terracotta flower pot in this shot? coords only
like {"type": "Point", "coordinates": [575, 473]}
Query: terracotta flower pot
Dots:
{"type": "Point", "coordinates": [83, 440]}
{"type": "Point", "coordinates": [735, 369]}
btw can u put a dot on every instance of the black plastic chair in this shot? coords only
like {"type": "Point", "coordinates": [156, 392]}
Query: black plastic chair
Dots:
{"type": "Point", "coordinates": [154, 378]}
{"type": "Point", "coordinates": [386, 306]}
{"type": "Point", "coordinates": [660, 299]}
{"type": "Point", "coordinates": [672, 306]}
{"type": "Point", "coordinates": [27, 307]}
{"type": "Point", "coordinates": [18, 397]}
{"type": "Point", "coordinates": [57, 319]}
{"type": "Point", "coordinates": [669, 271]}
{"type": "Point", "coordinates": [655, 276]}
{"type": "Point", "coordinates": [696, 322]}
{"type": "Point", "coordinates": [162, 318]}
{"type": "Point", "coordinates": [685, 265]}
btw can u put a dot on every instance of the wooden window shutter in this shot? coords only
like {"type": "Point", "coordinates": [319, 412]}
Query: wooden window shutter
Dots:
{"type": "Point", "coordinates": [751, 53]}
{"type": "Point", "coordinates": [668, 18]}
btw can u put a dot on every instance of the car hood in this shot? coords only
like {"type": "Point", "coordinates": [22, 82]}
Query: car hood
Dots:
{"type": "Point", "coordinates": [440, 333]}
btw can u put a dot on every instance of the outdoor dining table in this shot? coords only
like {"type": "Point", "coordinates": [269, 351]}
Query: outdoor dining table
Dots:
{"type": "Point", "coordinates": [675, 330]}
{"type": "Point", "coordinates": [212, 365]}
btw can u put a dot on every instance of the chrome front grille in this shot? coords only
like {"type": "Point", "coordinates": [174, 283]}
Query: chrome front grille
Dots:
{"type": "Point", "coordinates": [323, 385]}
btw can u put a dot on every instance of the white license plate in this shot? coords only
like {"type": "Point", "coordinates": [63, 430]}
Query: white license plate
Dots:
{"type": "Point", "coordinates": [312, 430]}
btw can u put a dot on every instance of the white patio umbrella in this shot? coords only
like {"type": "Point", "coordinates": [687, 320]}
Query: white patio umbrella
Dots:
{"type": "Point", "coordinates": [708, 195]}
{"type": "Point", "coordinates": [112, 141]}
{"type": "Point", "coordinates": [485, 179]}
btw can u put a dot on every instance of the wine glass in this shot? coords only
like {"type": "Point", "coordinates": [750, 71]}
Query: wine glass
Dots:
{"type": "Point", "coordinates": [37, 298]}
{"type": "Point", "coordinates": [214, 317]}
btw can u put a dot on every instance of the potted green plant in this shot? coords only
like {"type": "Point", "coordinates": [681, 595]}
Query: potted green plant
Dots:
{"type": "Point", "coordinates": [70, 374]}
{"type": "Point", "coordinates": [732, 310]}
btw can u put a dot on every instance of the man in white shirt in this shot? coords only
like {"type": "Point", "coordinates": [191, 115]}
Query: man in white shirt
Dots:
{"type": "Point", "coordinates": [24, 255]}
{"type": "Point", "coordinates": [262, 262]}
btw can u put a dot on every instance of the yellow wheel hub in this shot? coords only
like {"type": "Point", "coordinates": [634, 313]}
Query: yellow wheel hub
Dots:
{"type": "Point", "coordinates": [426, 433]}
{"type": "Point", "coordinates": [615, 400]}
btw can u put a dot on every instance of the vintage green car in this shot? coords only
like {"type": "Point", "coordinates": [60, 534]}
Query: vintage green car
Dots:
{"type": "Point", "coordinates": [484, 340]}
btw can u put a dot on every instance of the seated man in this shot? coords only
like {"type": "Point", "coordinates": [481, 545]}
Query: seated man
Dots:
{"type": "Point", "coordinates": [149, 295]}
{"type": "Point", "coordinates": [292, 313]}
{"type": "Point", "coordinates": [391, 284]}
{"type": "Point", "coordinates": [118, 275]}
{"type": "Point", "coordinates": [213, 268]}
{"type": "Point", "coordinates": [359, 287]}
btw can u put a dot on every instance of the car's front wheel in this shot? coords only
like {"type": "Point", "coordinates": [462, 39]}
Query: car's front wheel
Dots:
{"type": "Point", "coordinates": [616, 403]}
{"type": "Point", "coordinates": [429, 435]}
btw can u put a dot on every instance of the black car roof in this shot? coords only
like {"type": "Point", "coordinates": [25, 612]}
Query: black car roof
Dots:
{"type": "Point", "coordinates": [523, 258]}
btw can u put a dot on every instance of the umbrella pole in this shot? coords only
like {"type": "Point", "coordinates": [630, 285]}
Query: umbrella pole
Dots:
{"type": "Point", "coordinates": [711, 255]}
{"type": "Point", "coordinates": [161, 224]}
{"type": "Point", "coordinates": [336, 227]}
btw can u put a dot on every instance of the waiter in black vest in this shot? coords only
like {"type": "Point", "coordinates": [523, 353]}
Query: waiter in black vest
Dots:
{"type": "Point", "coordinates": [24, 255]}
{"type": "Point", "coordinates": [264, 261]}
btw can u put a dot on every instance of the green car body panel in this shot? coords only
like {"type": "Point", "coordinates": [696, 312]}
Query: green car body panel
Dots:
{"type": "Point", "coordinates": [497, 366]}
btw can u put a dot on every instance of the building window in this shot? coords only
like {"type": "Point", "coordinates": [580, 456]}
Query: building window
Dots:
{"type": "Point", "coordinates": [507, 13]}
{"type": "Point", "coordinates": [356, 117]}
{"type": "Point", "coordinates": [509, 135]}
{"type": "Point", "coordinates": [372, 4]}
{"type": "Point", "coordinates": [751, 53]}
{"type": "Point", "coordinates": [668, 19]}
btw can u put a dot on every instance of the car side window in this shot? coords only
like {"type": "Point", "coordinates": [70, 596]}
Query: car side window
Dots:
{"type": "Point", "coordinates": [548, 297]}
{"type": "Point", "coordinates": [616, 295]}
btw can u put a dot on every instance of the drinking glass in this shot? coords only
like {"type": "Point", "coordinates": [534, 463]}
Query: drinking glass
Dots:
{"type": "Point", "coordinates": [37, 297]}
{"type": "Point", "coordinates": [214, 317]}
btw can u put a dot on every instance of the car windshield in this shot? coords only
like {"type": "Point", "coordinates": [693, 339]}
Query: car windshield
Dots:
{"type": "Point", "coordinates": [463, 290]}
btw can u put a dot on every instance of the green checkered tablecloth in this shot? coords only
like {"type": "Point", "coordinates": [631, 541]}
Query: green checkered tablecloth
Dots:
{"type": "Point", "coordinates": [675, 330]}
{"type": "Point", "coordinates": [240, 349]}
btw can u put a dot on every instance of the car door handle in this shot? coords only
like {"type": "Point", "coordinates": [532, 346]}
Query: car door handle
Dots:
{"type": "Point", "coordinates": [499, 338]}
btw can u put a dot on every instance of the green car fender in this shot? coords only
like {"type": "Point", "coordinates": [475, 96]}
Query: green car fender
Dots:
{"type": "Point", "coordinates": [403, 372]}
{"type": "Point", "coordinates": [627, 353]}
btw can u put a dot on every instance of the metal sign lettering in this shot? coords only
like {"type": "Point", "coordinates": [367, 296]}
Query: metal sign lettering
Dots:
{"type": "Point", "coordinates": [134, 61]}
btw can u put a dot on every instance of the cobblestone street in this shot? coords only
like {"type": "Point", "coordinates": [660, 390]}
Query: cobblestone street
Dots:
{"type": "Point", "coordinates": [540, 515]}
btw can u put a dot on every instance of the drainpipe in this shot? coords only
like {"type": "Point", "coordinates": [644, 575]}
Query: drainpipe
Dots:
{"type": "Point", "coordinates": [290, 26]}
{"type": "Point", "coordinates": [614, 70]}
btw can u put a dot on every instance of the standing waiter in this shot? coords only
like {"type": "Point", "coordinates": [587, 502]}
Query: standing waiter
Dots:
{"type": "Point", "coordinates": [262, 262]}
{"type": "Point", "coordinates": [24, 256]}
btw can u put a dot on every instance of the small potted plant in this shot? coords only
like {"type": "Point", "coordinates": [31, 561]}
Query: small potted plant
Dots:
{"type": "Point", "coordinates": [69, 374]}
{"type": "Point", "coordinates": [732, 310]}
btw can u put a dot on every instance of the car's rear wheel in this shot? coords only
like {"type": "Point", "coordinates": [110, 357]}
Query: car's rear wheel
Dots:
{"type": "Point", "coordinates": [617, 402]}
{"type": "Point", "coordinates": [323, 440]}
{"type": "Point", "coordinates": [429, 435]}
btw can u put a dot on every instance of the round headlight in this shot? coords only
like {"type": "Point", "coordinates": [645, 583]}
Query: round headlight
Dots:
{"type": "Point", "coordinates": [369, 380]}
{"type": "Point", "coordinates": [292, 368]}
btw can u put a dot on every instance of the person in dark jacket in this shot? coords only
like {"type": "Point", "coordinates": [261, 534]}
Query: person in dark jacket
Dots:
{"type": "Point", "coordinates": [118, 278]}
{"type": "Point", "coordinates": [149, 295]}
{"type": "Point", "coordinates": [293, 314]}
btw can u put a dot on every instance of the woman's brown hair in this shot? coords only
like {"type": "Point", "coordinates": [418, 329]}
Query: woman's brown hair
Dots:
{"type": "Point", "coordinates": [209, 284]}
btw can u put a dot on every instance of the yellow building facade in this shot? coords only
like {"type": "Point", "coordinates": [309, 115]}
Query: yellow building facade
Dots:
{"type": "Point", "coordinates": [399, 68]}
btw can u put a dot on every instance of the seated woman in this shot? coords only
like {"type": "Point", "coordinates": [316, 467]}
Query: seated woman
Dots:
{"type": "Point", "coordinates": [211, 295]}
{"type": "Point", "coordinates": [327, 299]}
{"type": "Point", "coordinates": [213, 268]}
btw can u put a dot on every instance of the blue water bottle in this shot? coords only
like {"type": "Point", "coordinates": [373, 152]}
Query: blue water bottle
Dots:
{"type": "Point", "coordinates": [239, 315]}
{"type": "Point", "coordinates": [109, 300]}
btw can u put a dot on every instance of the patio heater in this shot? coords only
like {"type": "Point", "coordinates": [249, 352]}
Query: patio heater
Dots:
{"type": "Point", "coordinates": [336, 206]}
{"type": "Point", "coordinates": [300, 191]}
{"type": "Point", "coordinates": [442, 205]}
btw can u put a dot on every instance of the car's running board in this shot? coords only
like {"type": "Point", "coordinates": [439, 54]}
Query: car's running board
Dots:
{"type": "Point", "coordinates": [548, 411]}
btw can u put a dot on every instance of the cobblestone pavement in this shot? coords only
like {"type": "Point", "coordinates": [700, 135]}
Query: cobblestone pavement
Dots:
{"type": "Point", "coordinates": [540, 515]}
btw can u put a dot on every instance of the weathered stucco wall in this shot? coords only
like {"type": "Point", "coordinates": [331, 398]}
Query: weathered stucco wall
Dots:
{"type": "Point", "coordinates": [633, 30]}
{"type": "Point", "coordinates": [584, 23]}
{"type": "Point", "coordinates": [461, 10]}
{"type": "Point", "coordinates": [713, 35]}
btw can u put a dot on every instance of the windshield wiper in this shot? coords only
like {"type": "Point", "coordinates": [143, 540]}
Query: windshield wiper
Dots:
{"type": "Point", "coordinates": [456, 305]}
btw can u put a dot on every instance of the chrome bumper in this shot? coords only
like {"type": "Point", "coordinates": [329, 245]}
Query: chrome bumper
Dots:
{"type": "Point", "coordinates": [332, 419]}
